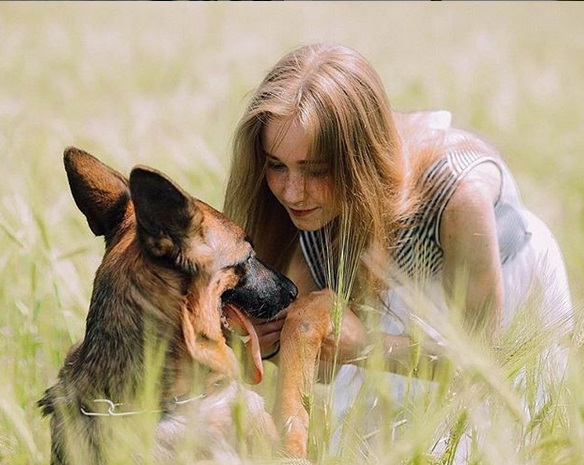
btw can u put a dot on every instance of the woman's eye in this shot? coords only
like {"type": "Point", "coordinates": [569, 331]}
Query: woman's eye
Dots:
{"type": "Point", "coordinates": [275, 165]}
{"type": "Point", "coordinates": [317, 172]}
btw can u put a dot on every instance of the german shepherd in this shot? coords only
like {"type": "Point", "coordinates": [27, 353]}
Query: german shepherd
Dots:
{"type": "Point", "coordinates": [175, 284]}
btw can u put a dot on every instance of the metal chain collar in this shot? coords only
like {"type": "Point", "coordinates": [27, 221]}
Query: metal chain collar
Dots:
{"type": "Point", "coordinates": [112, 407]}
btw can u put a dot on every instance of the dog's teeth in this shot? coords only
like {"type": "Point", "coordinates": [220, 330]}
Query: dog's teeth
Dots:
{"type": "Point", "coordinates": [225, 323]}
{"type": "Point", "coordinates": [245, 339]}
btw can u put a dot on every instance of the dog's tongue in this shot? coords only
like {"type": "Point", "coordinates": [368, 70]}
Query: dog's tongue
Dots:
{"type": "Point", "coordinates": [238, 322]}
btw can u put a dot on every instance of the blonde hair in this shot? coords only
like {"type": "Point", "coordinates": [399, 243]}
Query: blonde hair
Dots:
{"type": "Point", "coordinates": [340, 102]}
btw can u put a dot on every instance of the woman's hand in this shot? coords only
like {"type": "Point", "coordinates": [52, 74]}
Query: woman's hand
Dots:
{"type": "Point", "coordinates": [268, 332]}
{"type": "Point", "coordinates": [348, 343]}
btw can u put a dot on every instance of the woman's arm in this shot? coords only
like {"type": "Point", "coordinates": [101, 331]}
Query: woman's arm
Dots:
{"type": "Point", "coordinates": [379, 350]}
{"type": "Point", "coordinates": [355, 343]}
{"type": "Point", "coordinates": [472, 269]}
{"type": "Point", "coordinates": [468, 234]}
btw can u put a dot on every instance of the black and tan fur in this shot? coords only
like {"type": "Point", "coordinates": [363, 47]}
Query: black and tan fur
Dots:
{"type": "Point", "coordinates": [172, 267]}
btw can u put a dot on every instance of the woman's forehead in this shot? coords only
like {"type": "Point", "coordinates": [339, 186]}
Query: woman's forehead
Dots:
{"type": "Point", "coordinates": [285, 137]}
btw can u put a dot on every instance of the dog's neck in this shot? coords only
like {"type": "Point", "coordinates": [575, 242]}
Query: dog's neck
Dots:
{"type": "Point", "coordinates": [132, 326]}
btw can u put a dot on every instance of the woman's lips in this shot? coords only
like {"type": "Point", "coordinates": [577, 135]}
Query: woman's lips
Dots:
{"type": "Point", "coordinates": [301, 213]}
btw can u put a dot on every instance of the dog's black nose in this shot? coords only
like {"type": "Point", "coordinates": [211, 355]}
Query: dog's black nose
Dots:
{"type": "Point", "coordinates": [292, 289]}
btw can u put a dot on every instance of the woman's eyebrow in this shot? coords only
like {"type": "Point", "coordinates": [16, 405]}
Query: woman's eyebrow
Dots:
{"type": "Point", "coordinates": [312, 162]}
{"type": "Point", "coordinates": [305, 162]}
{"type": "Point", "coordinates": [269, 155]}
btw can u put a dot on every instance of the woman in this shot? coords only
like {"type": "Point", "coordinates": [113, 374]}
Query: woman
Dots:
{"type": "Point", "coordinates": [340, 192]}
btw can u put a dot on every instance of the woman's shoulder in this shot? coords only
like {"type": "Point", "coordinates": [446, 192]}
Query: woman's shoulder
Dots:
{"type": "Point", "coordinates": [422, 130]}
{"type": "Point", "coordinates": [428, 137]}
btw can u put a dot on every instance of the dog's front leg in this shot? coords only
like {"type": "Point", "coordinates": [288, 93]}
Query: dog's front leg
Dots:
{"type": "Point", "coordinates": [307, 324]}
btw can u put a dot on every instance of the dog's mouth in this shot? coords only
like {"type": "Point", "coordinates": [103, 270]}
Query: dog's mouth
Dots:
{"type": "Point", "coordinates": [236, 324]}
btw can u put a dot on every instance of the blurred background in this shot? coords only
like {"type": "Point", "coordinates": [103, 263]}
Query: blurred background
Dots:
{"type": "Point", "coordinates": [164, 84]}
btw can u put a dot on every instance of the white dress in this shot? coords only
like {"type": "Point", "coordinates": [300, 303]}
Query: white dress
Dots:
{"type": "Point", "coordinates": [532, 267]}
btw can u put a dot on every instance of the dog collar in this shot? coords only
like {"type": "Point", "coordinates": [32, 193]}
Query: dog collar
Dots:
{"type": "Point", "coordinates": [108, 408]}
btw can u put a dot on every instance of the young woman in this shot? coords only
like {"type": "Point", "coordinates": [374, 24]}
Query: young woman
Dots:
{"type": "Point", "coordinates": [340, 192]}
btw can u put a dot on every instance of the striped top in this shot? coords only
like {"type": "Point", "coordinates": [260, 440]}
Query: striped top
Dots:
{"type": "Point", "coordinates": [419, 253]}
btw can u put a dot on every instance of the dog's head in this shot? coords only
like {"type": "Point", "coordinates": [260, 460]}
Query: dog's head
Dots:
{"type": "Point", "coordinates": [225, 280]}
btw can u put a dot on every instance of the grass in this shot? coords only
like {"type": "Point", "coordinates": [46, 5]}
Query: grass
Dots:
{"type": "Point", "coordinates": [165, 85]}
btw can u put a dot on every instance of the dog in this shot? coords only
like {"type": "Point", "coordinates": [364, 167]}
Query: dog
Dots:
{"type": "Point", "coordinates": [155, 380]}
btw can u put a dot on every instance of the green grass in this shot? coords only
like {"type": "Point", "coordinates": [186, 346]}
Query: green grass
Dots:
{"type": "Point", "coordinates": [164, 85]}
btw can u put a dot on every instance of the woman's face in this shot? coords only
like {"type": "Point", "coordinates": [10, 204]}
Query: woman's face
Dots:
{"type": "Point", "coordinates": [302, 186]}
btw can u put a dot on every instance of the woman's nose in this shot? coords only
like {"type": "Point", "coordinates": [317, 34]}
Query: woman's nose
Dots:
{"type": "Point", "coordinates": [294, 189]}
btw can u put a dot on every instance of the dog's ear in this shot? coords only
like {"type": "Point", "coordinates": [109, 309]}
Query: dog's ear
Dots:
{"type": "Point", "coordinates": [166, 215]}
{"type": "Point", "coordinates": [100, 192]}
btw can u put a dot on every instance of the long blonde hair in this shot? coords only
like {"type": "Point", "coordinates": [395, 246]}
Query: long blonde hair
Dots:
{"type": "Point", "coordinates": [340, 102]}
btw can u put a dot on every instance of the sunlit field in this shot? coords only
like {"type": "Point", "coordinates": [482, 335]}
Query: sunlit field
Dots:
{"type": "Point", "coordinates": [164, 85]}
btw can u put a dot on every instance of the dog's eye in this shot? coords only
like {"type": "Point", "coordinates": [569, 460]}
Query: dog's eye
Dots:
{"type": "Point", "coordinates": [241, 267]}
{"type": "Point", "coordinates": [248, 240]}
{"type": "Point", "coordinates": [248, 260]}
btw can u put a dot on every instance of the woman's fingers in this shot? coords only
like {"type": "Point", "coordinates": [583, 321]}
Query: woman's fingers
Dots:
{"type": "Point", "coordinates": [268, 332]}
